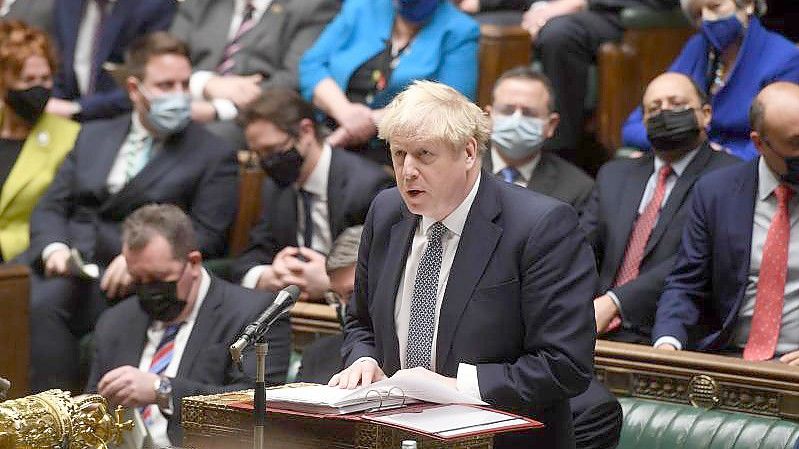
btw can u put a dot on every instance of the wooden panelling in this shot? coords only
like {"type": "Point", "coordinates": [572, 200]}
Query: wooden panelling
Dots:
{"type": "Point", "coordinates": [501, 48]}
{"type": "Point", "coordinates": [14, 333]}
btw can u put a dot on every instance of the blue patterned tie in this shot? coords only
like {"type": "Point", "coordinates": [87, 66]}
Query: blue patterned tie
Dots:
{"type": "Point", "coordinates": [423, 302]}
{"type": "Point", "coordinates": [509, 174]}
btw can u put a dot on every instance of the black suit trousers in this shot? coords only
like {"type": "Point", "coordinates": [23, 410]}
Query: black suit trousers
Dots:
{"type": "Point", "coordinates": [567, 46]}
{"type": "Point", "coordinates": [62, 311]}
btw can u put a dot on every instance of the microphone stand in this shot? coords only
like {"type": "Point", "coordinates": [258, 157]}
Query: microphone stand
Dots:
{"type": "Point", "coordinates": [259, 411]}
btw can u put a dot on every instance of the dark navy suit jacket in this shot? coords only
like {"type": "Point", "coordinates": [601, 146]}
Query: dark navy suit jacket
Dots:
{"type": "Point", "coordinates": [517, 304]}
{"type": "Point", "coordinates": [206, 367]}
{"type": "Point", "coordinates": [704, 292]}
{"type": "Point", "coordinates": [194, 170]}
{"type": "Point", "coordinates": [127, 20]}
{"type": "Point", "coordinates": [609, 218]}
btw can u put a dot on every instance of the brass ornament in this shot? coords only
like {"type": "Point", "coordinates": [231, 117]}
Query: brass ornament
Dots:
{"type": "Point", "coordinates": [704, 392]}
{"type": "Point", "coordinates": [55, 420]}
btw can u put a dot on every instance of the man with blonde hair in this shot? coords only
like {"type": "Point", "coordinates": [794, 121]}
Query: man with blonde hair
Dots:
{"type": "Point", "coordinates": [475, 283]}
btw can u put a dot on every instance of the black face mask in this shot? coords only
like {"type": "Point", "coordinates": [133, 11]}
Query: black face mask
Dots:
{"type": "Point", "coordinates": [792, 175]}
{"type": "Point", "coordinates": [673, 131]}
{"type": "Point", "coordinates": [283, 167]}
{"type": "Point", "coordinates": [160, 300]}
{"type": "Point", "coordinates": [29, 104]}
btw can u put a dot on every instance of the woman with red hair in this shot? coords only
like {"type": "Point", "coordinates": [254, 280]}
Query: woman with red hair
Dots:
{"type": "Point", "coordinates": [32, 143]}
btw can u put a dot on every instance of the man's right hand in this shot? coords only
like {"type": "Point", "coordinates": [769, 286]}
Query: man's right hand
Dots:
{"type": "Point", "coordinates": [241, 90]}
{"type": "Point", "coordinates": [56, 263]}
{"type": "Point", "coordinates": [363, 372]}
{"type": "Point", "coordinates": [277, 275]}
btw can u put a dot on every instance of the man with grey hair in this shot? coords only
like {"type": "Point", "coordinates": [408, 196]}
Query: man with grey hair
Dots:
{"type": "Point", "coordinates": [467, 280]}
{"type": "Point", "coordinates": [171, 339]}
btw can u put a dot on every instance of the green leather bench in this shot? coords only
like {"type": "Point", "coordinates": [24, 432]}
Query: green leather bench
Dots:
{"type": "Point", "coordinates": [652, 424]}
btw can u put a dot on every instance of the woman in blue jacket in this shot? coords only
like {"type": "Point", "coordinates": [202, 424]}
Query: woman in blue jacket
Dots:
{"type": "Point", "coordinates": [375, 48]}
{"type": "Point", "coordinates": [732, 58]}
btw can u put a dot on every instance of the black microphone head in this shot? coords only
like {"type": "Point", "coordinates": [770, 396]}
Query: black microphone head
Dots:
{"type": "Point", "coordinates": [293, 291]}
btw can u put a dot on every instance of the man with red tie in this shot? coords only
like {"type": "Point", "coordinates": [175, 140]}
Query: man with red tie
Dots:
{"type": "Point", "coordinates": [735, 285]}
{"type": "Point", "coordinates": [635, 216]}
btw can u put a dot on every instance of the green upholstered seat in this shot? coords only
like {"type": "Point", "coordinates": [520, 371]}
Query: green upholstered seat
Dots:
{"type": "Point", "coordinates": [663, 425]}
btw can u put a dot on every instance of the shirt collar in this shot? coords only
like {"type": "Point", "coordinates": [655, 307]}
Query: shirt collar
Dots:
{"type": "Point", "coordinates": [259, 5]}
{"type": "Point", "coordinates": [457, 219]}
{"type": "Point", "coordinates": [525, 171]}
{"type": "Point", "coordinates": [202, 292]}
{"type": "Point", "coordinates": [677, 167]}
{"type": "Point", "coordinates": [767, 180]}
{"type": "Point", "coordinates": [318, 180]}
{"type": "Point", "coordinates": [137, 129]}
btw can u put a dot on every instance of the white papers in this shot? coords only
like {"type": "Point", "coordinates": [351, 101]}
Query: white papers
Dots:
{"type": "Point", "coordinates": [77, 267]}
{"type": "Point", "coordinates": [449, 421]}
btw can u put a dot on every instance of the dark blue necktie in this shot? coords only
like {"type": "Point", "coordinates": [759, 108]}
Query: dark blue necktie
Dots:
{"type": "Point", "coordinates": [307, 203]}
{"type": "Point", "coordinates": [423, 302]}
{"type": "Point", "coordinates": [510, 174]}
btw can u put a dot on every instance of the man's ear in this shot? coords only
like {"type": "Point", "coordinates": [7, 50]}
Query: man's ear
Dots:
{"type": "Point", "coordinates": [471, 152]}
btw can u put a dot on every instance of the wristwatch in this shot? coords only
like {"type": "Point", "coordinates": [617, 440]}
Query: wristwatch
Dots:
{"type": "Point", "coordinates": [163, 393]}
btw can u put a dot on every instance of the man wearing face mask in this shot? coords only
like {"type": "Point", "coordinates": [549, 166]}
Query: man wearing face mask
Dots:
{"type": "Point", "coordinates": [155, 154]}
{"type": "Point", "coordinates": [737, 270]}
{"type": "Point", "coordinates": [731, 58]}
{"type": "Point", "coordinates": [523, 119]}
{"type": "Point", "coordinates": [635, 216]}
{"type": "Point", "coordinates": [172, 339]}
{"type": "Point", "coordinates": [311, 194]}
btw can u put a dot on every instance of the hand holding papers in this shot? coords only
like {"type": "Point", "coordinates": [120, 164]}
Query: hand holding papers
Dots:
{"type": "Point", "coordinates": [77, 267]}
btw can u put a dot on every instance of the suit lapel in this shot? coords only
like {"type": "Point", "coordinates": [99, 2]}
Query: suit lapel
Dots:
{"type": "Point", "coordinates": [271, 22]}
{"type": "Point", "coordinates": [114, 23]}
{"type": "Point", "coordinates": [215, 37]}
{"type": "Point", "coordinates": [739, 220]}
{"type": "Point", "coordinates": [33, 157]}
{"type": "Point", "coordinates": [391, 276]}
{"type": "Point", "coordinates": [130, 352]}
{"type": "Point", "coordinates": [206, 319]}
{"type": "Point", "coordinates": [627, 213]}
{"type": "Point", "coordinates": [102, 160]}
{"type": "Point", "coordinates": [677, 196]}
{"type": "Point", "coordinates": [336, 195]}
{"type": "Point", "coordinates": [477, 243]}
{"type": "Point", "coordinates": [71, 22]}
{"type": "Point", "coordinates": [544, 178]}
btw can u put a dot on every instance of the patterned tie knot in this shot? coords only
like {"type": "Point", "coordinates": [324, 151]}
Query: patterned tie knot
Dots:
{"type": "Point", "coordinates": [664, 173]}
{"type": "Point", "coordinates": [784, 194]}
{"type": "Point", "coordinates": [510, 174]}
{"type": "Point", "coordinates": [436, 231]}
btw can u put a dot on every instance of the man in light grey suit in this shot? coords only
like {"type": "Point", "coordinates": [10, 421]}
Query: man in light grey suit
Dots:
{"type": "Point", "coordinates": [241, 47]}
{"type": "Point", "coordinates": [38, 13]}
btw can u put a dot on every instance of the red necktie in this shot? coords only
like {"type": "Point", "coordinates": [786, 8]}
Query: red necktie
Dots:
{"type": "Point", "coordinates": [227, 64]}
{"type": "Point", "coordinates": [767, 318]}
{"type": "Point", "coordinates": [640, 235]}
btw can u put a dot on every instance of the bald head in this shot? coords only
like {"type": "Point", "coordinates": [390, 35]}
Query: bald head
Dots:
{"type": "Point", "coordinates": [670, 88]}
{"type": "Point", "coordinates": [774, 119]}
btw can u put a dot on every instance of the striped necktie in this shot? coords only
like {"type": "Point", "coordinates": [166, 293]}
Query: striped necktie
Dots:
{"type": "Point", "coordinates": [227, 64]}
{"type": "Point", "coordinates": [161, 360]}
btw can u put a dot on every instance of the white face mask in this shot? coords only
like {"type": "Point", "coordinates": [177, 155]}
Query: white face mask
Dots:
{"type": "Point", "coordinates": [517, 136]}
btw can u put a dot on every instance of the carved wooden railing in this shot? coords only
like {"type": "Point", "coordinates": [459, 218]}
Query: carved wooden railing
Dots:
{"type": "Point", "coordinates": [704, 380]}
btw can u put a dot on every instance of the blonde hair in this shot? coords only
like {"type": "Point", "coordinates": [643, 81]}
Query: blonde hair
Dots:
{"type": "Point", "coordinates": [427, 110]}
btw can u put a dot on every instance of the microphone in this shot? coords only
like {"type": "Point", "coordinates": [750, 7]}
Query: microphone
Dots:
{"type": "Point", "coordinates": [284, 301]}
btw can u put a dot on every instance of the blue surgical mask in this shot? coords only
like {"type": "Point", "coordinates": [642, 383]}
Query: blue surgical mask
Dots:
{"type": "Point", "coordinates": [722, 33]}
{"type": "Point", "coordinates": [517, 136]}
{"type": "Point", "coordinates": [169, 113]}
{"type": "Point", "coordinates": [416, 11]}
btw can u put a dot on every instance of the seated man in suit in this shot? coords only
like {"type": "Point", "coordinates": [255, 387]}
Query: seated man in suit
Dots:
{"type": "Point", "coordinates": [312, 193]}
{"type": "Point", "coordinates": [735, 284]}
{"type": "Point", "coordinates": [467, 280]}
{"type": "Point", "coordinates": [241, 47]}
{"type": "Point", "coordinates": [322, 358]}
{"type": "Point", "coordinates": [91, 33]}
{"type": "Point", "coordinates": [155, 155]}
{"type": "Point", "coordinates": [637, 211]}
{"type": "Point", "coordinates": [171, 340]}
{"type": "Point", "coordinates": [523, 118]}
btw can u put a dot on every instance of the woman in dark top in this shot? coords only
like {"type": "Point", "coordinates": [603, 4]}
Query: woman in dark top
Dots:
{"type": "Point", "coordinates": [32, 143]}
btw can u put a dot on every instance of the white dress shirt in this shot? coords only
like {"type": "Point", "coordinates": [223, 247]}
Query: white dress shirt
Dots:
{"type": "Point", "coordinates": [316, 184]}
{"type": "Point", "coordinates": [84, 45]}
{"type": "Point", "coordinates": [765, 208]}
{"type": "Point", "coordinates": [525, 170]}
{"type": "Point", "coordinates": [154, 334]}
{"type": "Point", "coordinates": [226, 109]}
{"type": "Point", "coordinates": [117, 176]}
{"type": "Point", "coordinates": [677, 169]}
{"type": "Point", "coordinates": [6, 7]}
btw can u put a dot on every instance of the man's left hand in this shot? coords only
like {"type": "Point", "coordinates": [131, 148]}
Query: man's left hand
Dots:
{"type": "Point", "coordinates": [537, 16]}
{"type": "Point", "coordinates": [604, 312]}
{"type": "Point", "coordinates": [313, 271]}
{"type": "Point", "coordinates": [791, 358]}
{"type": "Point", "coordinates": [424, 373]}
{"type": "Point", "coordinates": [116, 280]}
{"type": "Point", "coordinates": [63, 108]}
{"type": "Point", "coordinates": [128, 386]}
